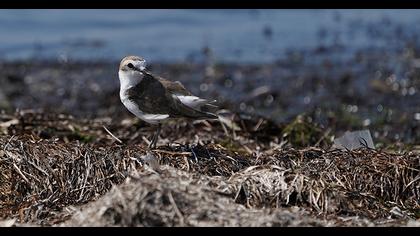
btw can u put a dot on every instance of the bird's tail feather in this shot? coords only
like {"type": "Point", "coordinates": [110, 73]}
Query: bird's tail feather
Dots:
{"type": "Point", "coordinates": [197, 108]}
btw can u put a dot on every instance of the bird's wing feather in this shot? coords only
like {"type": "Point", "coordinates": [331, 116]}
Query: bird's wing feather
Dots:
{"type": "Point", "coordinates": [196, 102]}
{"type": "Point", "coordinates": [152, 97]}
{"type": "Point", "coordinates": [174, 87]}
{"type": "Point", "coordinates": [185, 96]}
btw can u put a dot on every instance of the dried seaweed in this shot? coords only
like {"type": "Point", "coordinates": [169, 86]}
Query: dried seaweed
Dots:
{"type": "Point", "coordinates": [46, 179]}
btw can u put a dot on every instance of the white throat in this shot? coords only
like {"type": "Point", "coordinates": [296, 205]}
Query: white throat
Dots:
{"type": "Point", "coordinates": [129, 79]}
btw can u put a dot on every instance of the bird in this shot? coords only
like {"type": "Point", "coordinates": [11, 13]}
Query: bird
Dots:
{"type": "Point", "coordinates": [156, 100]}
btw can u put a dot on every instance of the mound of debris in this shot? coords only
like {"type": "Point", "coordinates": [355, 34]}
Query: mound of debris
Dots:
{"type": "Point", "coordinates": [178, 198]}
{"type": "Point", "coordinates": [246, 181]}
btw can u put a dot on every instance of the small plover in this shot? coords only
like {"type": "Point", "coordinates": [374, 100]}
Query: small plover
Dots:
{"type": "Point", "coordinates": [155, 100]}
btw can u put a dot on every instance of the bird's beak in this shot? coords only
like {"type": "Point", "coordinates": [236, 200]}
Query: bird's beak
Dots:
{"type": "Point", "coordinates": [140, 65]}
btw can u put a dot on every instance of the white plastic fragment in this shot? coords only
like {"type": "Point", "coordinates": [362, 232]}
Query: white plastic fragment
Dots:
{"type": "Point", "coordinates": [354, 140]}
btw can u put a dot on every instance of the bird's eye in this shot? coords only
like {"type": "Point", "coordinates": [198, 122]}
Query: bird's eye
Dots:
{"type": "Point", "coordinates": [130, 65]}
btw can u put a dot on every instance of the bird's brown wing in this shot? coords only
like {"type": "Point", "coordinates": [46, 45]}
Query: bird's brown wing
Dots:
{"type": "Point", "coordinates": [150, 97]}
{"type": "Point", "coordinates": [174, 87]}
{"type": "Point", "coordinates": [153, 97]}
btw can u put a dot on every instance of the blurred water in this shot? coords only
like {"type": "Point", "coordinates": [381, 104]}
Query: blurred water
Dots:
{"type": "Point", "coordinates": [165, 35]}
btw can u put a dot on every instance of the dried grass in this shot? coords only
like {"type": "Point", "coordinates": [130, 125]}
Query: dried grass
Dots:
{"type": "Point", "coordinates": [205, 183]}
{"type": "Point", "coordinates": [178, 198]}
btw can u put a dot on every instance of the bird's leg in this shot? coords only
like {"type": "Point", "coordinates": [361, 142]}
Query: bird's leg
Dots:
{"type": "Point", "coordinates": [155, 137]}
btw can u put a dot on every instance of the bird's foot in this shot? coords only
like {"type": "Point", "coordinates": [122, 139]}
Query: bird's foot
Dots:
{"type": "Point", "coordinates": [155, 138]}
{"type": "Point", "coordinates": [152, 146]}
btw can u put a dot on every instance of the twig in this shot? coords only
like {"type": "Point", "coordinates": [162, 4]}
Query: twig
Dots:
{"type": "Point", "coordinates": [247, 149]}
{"type": "Point", "coordinates": [20, 172]}
{"type": "Point", "coordinates": [256, 127]}
{"type": "Point", "coordinates": [195, 156]}
{"type": "Point", "coordinates": [177, 211]}
{"type": "Point", "coordinates": [113, 136]}
{"type": "Point", "coordinates": [188, 164]}
{"type": "Point", "coordinates": [145, 140]}
{"type": "Point", "coordinates": [88, 167]}
{"type": "Point", "coordinates": [172, 153]}
{"type": "Point", "coordinates": [411, 182]}
{"type": "Point", "coordinates": [8, 142]}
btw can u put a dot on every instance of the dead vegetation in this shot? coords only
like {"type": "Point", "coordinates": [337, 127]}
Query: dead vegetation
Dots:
{"type": "Point", "coordinates": [179, 198]}
{"type": "Point", "coordinates": [240, 173]}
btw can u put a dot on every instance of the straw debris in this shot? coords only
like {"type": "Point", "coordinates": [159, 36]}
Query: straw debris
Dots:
{"type": "Point", "coordinates": [66, 179]}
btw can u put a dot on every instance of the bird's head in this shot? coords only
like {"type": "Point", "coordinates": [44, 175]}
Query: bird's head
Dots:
{"type": "Point", "coordinates": [132, 63]}
{"type": "Point", "coordinates": [131, 70]}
